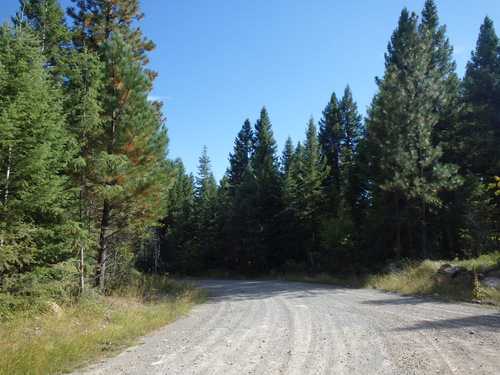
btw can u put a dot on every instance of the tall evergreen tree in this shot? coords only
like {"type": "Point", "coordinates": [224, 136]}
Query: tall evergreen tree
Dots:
{"type": "Point", "coordinates": [446, 220]}
{"type": "Point", "coordinates": [481, 134]}
{"type": "Point", "coordinates": [127, 166]}
{"type": "Point", "coordinates": [84, 81]}
{"type": "Point", "coordinates": [128, 169]}
{"type": "Point", "coordinates": [178, 249]}
{"type": "Point", "coordinates": [402, 120]}
{"type": "Point", "coordinates": [205, 212]}
{"type": "Point", "coordinates": [481, 96]}
{"type": "Point", "coordinates": [289, 221]}
{"type": "Point", "coordinates": [330, 138]}
{"type": "Point", "coordinates": [235, 215]}
{"type": "Point", "coordinates": [312, 171]}
{"type": "Point", "coordinates": [262, 194]}
{"type": "Point", "coordinates": [351, 127]}
{"type": "Point", "coordinates": [340, 132]}
{"type": "Point", "coordinates": [34, 223]}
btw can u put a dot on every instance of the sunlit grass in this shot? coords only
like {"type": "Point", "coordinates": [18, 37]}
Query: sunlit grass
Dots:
{"type": "Point", "coordinates": [417, 278]}
{"type": "Point", "coordinates": [60, 341]}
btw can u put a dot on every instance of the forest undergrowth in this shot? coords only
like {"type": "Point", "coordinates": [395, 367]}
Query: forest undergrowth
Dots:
{"type": "Point", "coordinates": [57, 339]}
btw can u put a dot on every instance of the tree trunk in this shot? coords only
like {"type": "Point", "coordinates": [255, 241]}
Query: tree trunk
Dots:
{"type": "Point", "coordinates": [103, 245]}
{"type": "Point", "coordinates": [398, 227]}
{"type": "Point", "coordinates": [423, 228]}
{"type": "Point", "coordinates": [409, 251]}
{"type": "Point", "coordinates": [7, 178]}
{"type": "Point", "coordinates": [6, 188]}
{"type": "Point", "coordinates": [82, 270]}
{"type": "Point", "coordinates": [423, 222]}
{"type": "Point", "coordinates": [82, 249]}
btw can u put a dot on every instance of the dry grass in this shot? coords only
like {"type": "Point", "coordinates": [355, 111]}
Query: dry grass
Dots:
{"type": "Point", "coordinates": [417, 278]}
{"type": "Point", "coordinates": [62, 340]}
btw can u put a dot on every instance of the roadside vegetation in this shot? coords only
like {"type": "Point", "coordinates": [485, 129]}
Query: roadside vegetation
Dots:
{"type": "Point", "coordinates": [51, 338]}
{"type": "Point", "coordinates": [415, 277]}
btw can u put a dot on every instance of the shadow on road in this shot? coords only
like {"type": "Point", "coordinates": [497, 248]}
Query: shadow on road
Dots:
{"type": "Point", "coordinates": [251, 290]}
{"type": "Point", "coordinates": [491, 322]}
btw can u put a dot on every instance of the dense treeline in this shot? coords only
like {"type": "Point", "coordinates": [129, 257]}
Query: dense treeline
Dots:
{"type": "Point", "coordinates": [84, 174]}
{"type": "Point", "coordinates": [417, 179]}
{"type": "Point", "coordinates": [88, 193]}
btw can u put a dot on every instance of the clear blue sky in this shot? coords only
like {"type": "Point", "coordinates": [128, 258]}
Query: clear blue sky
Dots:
{"type": "Point", "coordinates": [221, 61]}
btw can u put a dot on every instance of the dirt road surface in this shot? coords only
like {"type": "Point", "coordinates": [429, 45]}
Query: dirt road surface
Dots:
{"type": "Point", "coordinates": [270, 327]}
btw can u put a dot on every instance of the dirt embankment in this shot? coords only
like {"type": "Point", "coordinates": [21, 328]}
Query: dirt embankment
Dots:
{"type": "Point", "coordinates": [269, 327]}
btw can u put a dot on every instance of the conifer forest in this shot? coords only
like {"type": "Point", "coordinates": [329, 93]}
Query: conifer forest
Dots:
{"type": "Point", "coordinates": [89, 195]}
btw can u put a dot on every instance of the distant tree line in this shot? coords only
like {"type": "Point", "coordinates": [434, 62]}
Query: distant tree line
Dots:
{"type": "Point", "coordinates": [417, 179]}
{"type": "Point", "coordinates": [88, 194]}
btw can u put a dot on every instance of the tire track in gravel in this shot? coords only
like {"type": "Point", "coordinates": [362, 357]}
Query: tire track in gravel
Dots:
{"type": "Point", "coordinates": [270, 327]}
{"type": "Point", "coordinates": [225, 333]}
{"type": "Point", "coordinates": [430, 336]}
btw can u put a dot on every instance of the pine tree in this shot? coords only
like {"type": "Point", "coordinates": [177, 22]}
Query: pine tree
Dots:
{"type": "Point", "coordinates": [289, 221]}
{"type": "Point", "coordinates": [340, 132]}
{"type": "Point", "coordinates": [481, 134]}
{"type": "Point", "coordinates": [84, 81]}
{"type": "Point", "coordinates": [351, 127]}
{"type": "Point", "coordinates": [330, 137]}
{"type": "Point", "coordinates": [234, 225]}
{"type": "Point", "coordinates": [339, 141]}
{"type": "Point", "coordinates": [312, 171]}
{"type": "Point", "coordinates": [402, 120]}
{"type": "Point", "coordinates": [35, 228]}
{"type": "Point", "coordinates": [205, 212]}
{"type": "Point", "coordinates": [178, 249]}
{"type": "Point", "coordinates": [481, 96]}
{"type": "Point", "coordinates": [127, 168]}
{"type": "Point", "coordinates": [446, 220]}
{"type": "Point", "coordinates": [261, 194]}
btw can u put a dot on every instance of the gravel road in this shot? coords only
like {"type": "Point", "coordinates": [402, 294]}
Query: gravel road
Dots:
{"type": "Point", "coordinates": [270, 327]}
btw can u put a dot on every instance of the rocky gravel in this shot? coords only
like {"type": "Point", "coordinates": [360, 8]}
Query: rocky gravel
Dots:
{"type": "Point", "coordinates": [271, 327]}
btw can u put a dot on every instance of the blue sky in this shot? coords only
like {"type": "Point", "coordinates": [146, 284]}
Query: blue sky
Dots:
{"type": "Point", "coordinates": [221, 61]}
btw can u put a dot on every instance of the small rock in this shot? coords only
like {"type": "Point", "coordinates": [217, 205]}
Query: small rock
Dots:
{"type": "Point", "coordinates": [454, 274]}
{"type": "Point", "coordinates": [393, 267]}
{"type": "Point", "coordinates": [444, 273]}
{"type": "Point", "coordinates": [54, 308]}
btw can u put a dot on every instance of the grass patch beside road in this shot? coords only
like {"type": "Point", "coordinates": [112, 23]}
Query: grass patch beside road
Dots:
{"type": "Point", "coordinates": [62, 339]}
{"type": "Point", "coordinates": [418, 278]}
